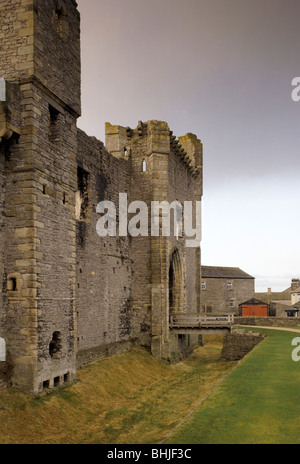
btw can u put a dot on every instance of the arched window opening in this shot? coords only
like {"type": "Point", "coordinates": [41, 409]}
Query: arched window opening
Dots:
{"type": "Point", "coordinates": [59, 18]}
{"type": "Point", "coordinates": [179, 220]}
{"type": "Point", "coordinates": [144, 166]}
{"type": "Point", "coordinates": [2, 350]}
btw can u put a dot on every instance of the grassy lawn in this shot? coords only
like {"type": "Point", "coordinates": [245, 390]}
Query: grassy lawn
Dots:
{"type": "Point", "coordinates": [134, 398]}
{"type": "Point", "coordinates": [130, 398]}
{"type": "Point", "coordinates": [258, 403]}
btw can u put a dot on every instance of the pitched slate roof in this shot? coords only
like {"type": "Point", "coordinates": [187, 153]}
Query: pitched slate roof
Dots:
{"type": "Point", "coordinates": [282, 302]}
{"type": "Point", "coordinates": [217, 272]}
{"type": "Point", "coordinates": [254, 302]}
{"type": "Point", "coordinates": [274, 296]}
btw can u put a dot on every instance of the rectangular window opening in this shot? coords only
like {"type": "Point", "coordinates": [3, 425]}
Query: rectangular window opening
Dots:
{"type": "Point", "coordinates": [13, 284]}
{"type": "Point", "coordinates": [56, 381]}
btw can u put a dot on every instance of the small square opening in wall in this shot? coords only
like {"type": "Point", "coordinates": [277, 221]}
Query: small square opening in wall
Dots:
{"type": "Point", "coordinates": [12, 284]}
{"type": "Point", "coordinates": [46, 384]}
{"type": "Point", "coordinates": [56, 381]}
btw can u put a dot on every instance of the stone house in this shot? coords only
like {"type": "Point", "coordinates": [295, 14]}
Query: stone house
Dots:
{"type": "Point", "coordinates": [288, 308]}
{"type": "Point", "coordinates": [295, 291]}
{"type": "Point", "coordinates": [223, 289]}
{"type": "Point", "coordinates": [69, 296]}
{"type": "Point", "coordinates": [283, 304]}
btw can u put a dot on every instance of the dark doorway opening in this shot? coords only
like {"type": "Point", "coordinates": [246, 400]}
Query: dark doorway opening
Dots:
{"type": "Point", "coordinates": [171, 287]}
{"type": "Point", "coordinates": [175, 284]}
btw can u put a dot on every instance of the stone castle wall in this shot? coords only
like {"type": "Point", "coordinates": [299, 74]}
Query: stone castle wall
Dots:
{"type": "Point", "coordinates": [40, 176]}
{"type": "Point", "coordinates": [104, 267]}
{"type": "Point", "coordinates": [16, 53]}
{"type": "Point", "coordinates": [69, 297]}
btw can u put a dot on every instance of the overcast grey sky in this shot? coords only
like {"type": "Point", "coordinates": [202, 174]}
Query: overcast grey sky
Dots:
{"type": "Point", "coordinates": [221, 69]}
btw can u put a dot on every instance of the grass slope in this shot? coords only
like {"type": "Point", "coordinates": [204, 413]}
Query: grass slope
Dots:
{"type": "Point", "coordinates": [257, 404]}
{"type": "Point", "coordinates": [130, 398]}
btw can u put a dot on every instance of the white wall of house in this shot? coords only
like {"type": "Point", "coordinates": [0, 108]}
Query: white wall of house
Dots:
{"type": "Point", "coordinates": [295, 298]}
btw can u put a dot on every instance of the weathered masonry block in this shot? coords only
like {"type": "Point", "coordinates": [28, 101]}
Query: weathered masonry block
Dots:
{"type": "Point", "coordinates": [239, 343]}
{"type": "Point", "coordinates": [68, 296]}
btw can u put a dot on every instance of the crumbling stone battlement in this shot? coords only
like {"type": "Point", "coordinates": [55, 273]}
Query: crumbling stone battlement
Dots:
{"type": "Point", "coordinates": [160, 140]}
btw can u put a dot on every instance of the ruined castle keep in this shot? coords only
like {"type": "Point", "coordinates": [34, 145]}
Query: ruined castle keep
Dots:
{"type": "Point", "coordinates": [68, 296]}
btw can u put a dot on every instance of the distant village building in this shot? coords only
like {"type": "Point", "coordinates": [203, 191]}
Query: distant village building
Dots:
{"type": "Point", "coordinates": [295, 291]}
{"type": "Point", "coordinates": [224, 289]}
{"type": "Point", "coordinates": [283, 304]}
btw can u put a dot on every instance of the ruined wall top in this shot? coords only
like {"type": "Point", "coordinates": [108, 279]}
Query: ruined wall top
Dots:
{"type": "Point", "coordinates": [159, 140]}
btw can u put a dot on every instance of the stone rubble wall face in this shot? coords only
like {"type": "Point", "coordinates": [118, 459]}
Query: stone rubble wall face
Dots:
{"type": "Point", "coordinates": [237, 345]}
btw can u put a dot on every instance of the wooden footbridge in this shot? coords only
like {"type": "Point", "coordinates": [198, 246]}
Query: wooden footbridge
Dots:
{"type": "Point", "coordinates": [200, 324]}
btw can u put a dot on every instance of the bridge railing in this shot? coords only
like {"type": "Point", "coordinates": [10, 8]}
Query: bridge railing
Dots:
{"type": "Point", "coordinates": [200, 321]}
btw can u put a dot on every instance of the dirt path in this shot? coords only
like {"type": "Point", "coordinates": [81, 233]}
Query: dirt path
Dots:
{"type": "Point", "coordinates": [286, 329]}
